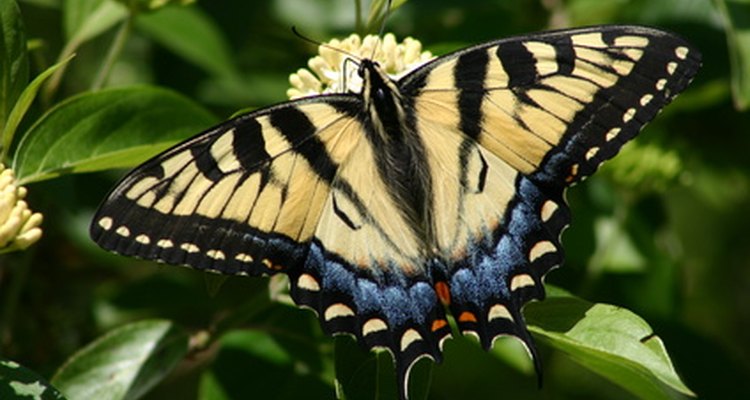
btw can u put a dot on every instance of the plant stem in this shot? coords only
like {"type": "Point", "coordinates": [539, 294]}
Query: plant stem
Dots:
{"type": "Point", "coordinates": [358, 14]}
{"type": "Point", "coordinates": [114, 53]}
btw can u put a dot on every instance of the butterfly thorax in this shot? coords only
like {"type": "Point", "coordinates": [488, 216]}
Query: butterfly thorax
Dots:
{"type": "Point", "coordinates": [390, 123]}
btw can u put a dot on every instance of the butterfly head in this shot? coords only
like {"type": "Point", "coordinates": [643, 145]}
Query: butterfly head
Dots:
{"type": "Point", "coordinates": [377, 85]}
{"type": "Point", "coordinates": [370, 73]}
{"type": "Point", "coordinates": [331, 71]}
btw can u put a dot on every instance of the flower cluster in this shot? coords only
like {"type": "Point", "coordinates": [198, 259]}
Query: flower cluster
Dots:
{"type": "Point", "coordinates": [19, 227]}
{"type": "Point", "coordinates": [332, 70]}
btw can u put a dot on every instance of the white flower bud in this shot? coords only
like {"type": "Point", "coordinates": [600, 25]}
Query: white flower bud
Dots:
{"type": "Point", "coordinates": [19, 226]}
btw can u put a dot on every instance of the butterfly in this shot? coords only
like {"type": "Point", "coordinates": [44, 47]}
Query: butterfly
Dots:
{"type": "Point", "coordinates": [390, 208]}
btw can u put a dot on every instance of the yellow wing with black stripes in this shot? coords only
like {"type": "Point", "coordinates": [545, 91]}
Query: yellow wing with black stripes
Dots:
{"type": "Point", "coordinates": [440, 192]}
{"type": "Point", "coordinates": [237, 199]}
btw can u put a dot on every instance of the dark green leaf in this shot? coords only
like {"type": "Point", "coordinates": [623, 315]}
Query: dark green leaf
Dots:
{"type": "Point", "coordinates": [371, 375]}
{"type": "Point", "coordinates": [256, 364]}
{"type": "Point", "coordinates": [610, 341]}
{"type": "Point", "coordinates": [356, 371]}
{"type": "Point", "coordinates": [14, 63]}
{"type": "Point", "coordinates": [189, 33]}
{"type": "Point", "coordinates": [113, 128]}
{"type": "Point", "coordinates": [737, 25]}
{"type": "Point", "coordinates": [125, 363]}
{"type": "Point", "coordinates": [588, 12]}
{"type": "Point", "coordinates": [18, 382]}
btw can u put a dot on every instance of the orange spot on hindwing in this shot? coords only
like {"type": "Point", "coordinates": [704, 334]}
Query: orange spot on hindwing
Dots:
{"type": "Point", "coordinates": [467, 317]}
{"type": "Point", "coordinates": [438, 324]}
{"type": "Point", "coordinates": [443, 293]}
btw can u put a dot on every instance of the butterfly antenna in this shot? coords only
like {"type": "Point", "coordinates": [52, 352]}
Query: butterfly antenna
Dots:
{"type": "Point", "coordinates": [350, 58]}
{"type": "Point", "coordinates": [321, 44]}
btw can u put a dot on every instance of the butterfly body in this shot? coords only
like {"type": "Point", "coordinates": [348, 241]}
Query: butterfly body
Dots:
{"type": "Point", "coordinates": [388, 123]}
{"type": "Point", "coordinates": [438, 193]}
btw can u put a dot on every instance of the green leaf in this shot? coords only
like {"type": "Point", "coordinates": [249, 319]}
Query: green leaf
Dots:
{"type": "Point", "coordinates": [737, 25]}
{"type": "Point", "coordinates": [189, 33]}
{"type": "Point", "coordinates": [258, 365]}
{"type": "Point", "coordinates": [14, 63]}
{"type": "Point", "coordinates": [22, 105]}
{"type": "Point", "coordinates": [86, 19]}
{"type": "Point", "coordinates": [125, 363]}
{"type": "Point", "coordinates": [18, 382]}
{"type": "Point", "coordinates": [645, 166]}
{"type": "Point", "coordinates": [151, 5]}
{"type": "Point", "coordinates": [113, 128]}
{"type": "Point", "coordinates": [610, 341]}
{"type": "Point", "coordinates": [371, 375]}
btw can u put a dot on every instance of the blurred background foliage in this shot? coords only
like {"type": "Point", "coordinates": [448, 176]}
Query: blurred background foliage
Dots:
{"type": "Point", "coordinates": [662, 230]}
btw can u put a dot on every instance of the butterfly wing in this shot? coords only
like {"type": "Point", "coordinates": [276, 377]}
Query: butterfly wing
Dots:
{"type": "Point", "coordinates": [508, 125]}
{"type": "Point", "coordinates": [242, 198]}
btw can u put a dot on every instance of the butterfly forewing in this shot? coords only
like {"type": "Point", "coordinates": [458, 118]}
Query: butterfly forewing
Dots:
{"type": "Point", "coordinates": [237, 199]}
{"type": "Point", "coordinates": [580, 92]}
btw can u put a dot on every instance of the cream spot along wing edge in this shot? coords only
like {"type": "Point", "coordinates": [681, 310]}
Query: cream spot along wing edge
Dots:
{"type": "Point", "coordinates": [244, 197]}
